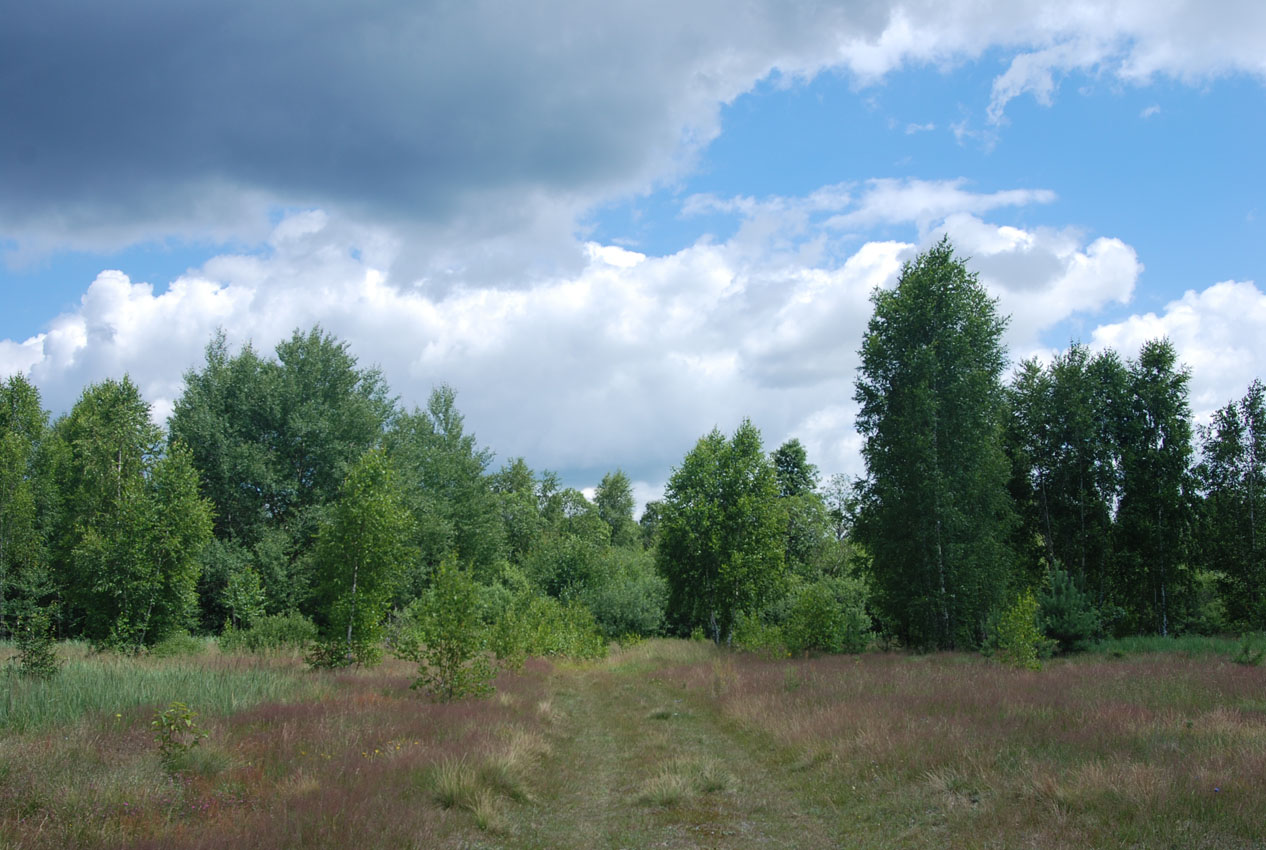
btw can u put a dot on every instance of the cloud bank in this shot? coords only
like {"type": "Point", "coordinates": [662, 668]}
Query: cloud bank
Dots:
{"type": "Point", "coordinates": [629, 360]}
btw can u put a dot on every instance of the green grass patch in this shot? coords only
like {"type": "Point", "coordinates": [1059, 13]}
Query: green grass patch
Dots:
{"type": "Point", "coordinates": [107, 685]}
{"type": "Point", "coordinates": [1190, 646]}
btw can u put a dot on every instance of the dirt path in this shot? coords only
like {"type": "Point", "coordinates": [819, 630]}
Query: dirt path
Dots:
{"type": "Point", "coordinates": [635, 765]}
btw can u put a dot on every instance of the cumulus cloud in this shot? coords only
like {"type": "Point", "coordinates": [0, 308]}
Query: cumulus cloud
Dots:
{"type": "Point", "coordinates": [1044, 275]}
{"type": "Point", "coordinates": [1217, 333]}
{"type": "Point", "coordinates": [624, 362]}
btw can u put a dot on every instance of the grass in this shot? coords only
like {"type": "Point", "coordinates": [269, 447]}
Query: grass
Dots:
{"type": "Point", "coordinates": [664, 743]}
{"type": "Point", "coordinates": [113, 686]}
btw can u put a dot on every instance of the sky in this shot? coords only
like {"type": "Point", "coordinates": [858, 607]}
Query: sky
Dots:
{"type": "Point", "coordinates": [614, 226]}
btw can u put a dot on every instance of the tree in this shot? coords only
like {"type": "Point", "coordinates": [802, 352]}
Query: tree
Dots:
{"type": "Point", "coordinates": [796, 476]}
{"type": "Point", "coordinates": [443, 476]}
{"type": "Point", "coordinates": [362, 554]}
{"type": "Point", "coordinates": [1233, 482]}
{"type": "Point", "coordinates": [721, 532]}
{"type": "Point", "coordinates": [517, 497]}
{"type": "Point", "coordinates": [23, 569]}
{"type": "Point", "coordinates": [614, 500]}
{"type": "Point", "coordinates": [441, 631]}
{"type": "Point", "coordinates": [935, 514]}
{"type": "Point", "coordinates": [272, 441]}
{"type": "Point", "coordinates": [132, 524]}
{"type": "Point", "coordinates": [1151, 573]}
{"type": "Point", "coordinates": [1063, 437]}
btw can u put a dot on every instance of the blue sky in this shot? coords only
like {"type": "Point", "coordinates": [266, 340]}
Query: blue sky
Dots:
{"type": "Point", "coordinates": [612, 227]}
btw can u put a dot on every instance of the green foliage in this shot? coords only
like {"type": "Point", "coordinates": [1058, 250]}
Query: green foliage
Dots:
{"type": "Point", "coordinates": [934, 515]}
{"type": "Point", "coordinates": [614, 500]}
{"type": "Point", "coordinates": [271, 633]}
{"type": "Point", "coordinates": [441, 631]}
{"type": "Point", "coordinates": [796, 476]}
{"type": "Point", "coordinates": [1016, 638]}
{"type": "Point", "coordinates": [1067, 615]}
{"type": "Point", "coordinates": [37, 651]}
{"type": "Point", "coordinates": [272, 440]}
{"type": "Point", "coordinates": [23, 562]}
{"type": "Point", "coordinates": [178, 644]}
{"type": "Point", "coordinates": [753, 634]}
{"type": "Point", "coordinates": [1252, 649]}
{"type": "Point", "coordinates": [628, 595]}
{"type": "Point", "coordinates": [1232, 476]}
{"type": "Point", "coordinates": [1064, 439]}
{"type": "Point", "coordinates": [829, 615]}
{"type": "Point", "coordinates": [362, 553]}
{"type": "Point", "coordinates": [332, 653]}
{"type": "Point", "coordinates": [542, 626]}
{"type": "Point", "coordinates": [1207, 613]}
{"type": "Point", "coordinates": [1153, 581]}
{"type": "Point", "coordinates": [722, 533]}
{"type": "Point", "coordinates": [132, 525]}
{"type": "Point", "coordinates": [176, 732]}
{"type": "Point", "coordinates": [442, 473]}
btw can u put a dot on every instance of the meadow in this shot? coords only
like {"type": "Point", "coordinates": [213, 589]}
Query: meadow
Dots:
{"type": "Point", "coordinates": [664, 743]}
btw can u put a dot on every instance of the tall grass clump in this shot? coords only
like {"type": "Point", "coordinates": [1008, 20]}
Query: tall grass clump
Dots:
{"type": "Point", "coordinates": [109, 684]}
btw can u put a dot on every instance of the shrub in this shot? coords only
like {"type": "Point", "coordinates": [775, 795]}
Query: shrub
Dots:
{"type": "Point", "coordinates": [37, 652]}
{"type": "Point", "coordinates": [1252, 649]}
{"type": "Point", "coordinates": [541, 625]}
{"type": "Point", "coordinates": [177, 644]}
{"type": "Point", "coordinates": [1016, 638]}
{"type": "Point", "coordinates": [441, 631]}
{"type": "Point", "coordinates": [1066, 613]}
{"type": "Point", "coordinates": [628, 595]}
{"type": "Point", "coordinates": [334, 652]}
{"type": "Point", "coordinates": [176, 732]}
{"type": "Point", "coordinates": [753, 634]}
{"type": "Point", "coordinates": [274, 632]}
{"type": "Point", "coordinates": [829, 615]}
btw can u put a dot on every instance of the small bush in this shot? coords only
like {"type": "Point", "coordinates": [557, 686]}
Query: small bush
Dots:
{"type": "Point", "coordinates": [543, 626]}
{"type": "Point", "coordinates": [1252, 649]}
{"type": "Point", "coordinates": [1016, 638]}
{"type": "Point", "coordinates": [1066, 613]}
{"type": "Point", "coordinates": [753, 634]}
{"type": "Point", "coordinates": [335, 653]}
{"type": "Point", "coordinates": [275, 632]}
{"type": "Point", "coordinates": [442, 632]}
{"type": "Point", "coordinates": [37, 652]}
{"type": "Point", "coordinates": [829, 615]}
{"type": "Point", "coordinates": [176, 644]}
{"type": "Point", "coordinates": [176, 732]}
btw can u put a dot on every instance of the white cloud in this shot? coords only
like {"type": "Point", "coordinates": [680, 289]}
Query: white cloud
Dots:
{"type": "Point", "coordinates": [925, 202]}
{"type": "Point", "coordinates": [1149, 111]}
{"type": "Point", "coordinates": [1217, 333]}
{"type": "Point", "coordinates": [1043, 276]}
{"type": "Point", "coordinates": [625, 362]}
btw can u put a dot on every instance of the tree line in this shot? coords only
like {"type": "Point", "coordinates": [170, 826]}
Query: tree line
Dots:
{"type": "Point", "coordinates": [294, 485]}
{"type": "Point", "coordinates": [1081, 478]}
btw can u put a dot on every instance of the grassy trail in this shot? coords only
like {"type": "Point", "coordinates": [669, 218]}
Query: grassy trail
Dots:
{"type": "Point", "coordinates": [635, 764]}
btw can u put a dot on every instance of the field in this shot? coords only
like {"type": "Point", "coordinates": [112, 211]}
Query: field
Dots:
{"type": "Point", "coordinates": [664, 744]}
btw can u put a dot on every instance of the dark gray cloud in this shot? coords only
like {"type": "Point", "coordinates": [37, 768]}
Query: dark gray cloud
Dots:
{"type": "Point", "coordinates": [168, 117]}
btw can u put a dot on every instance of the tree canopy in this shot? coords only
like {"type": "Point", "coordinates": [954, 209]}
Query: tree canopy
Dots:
{"type": "Point", "coordinates": [935, 515]}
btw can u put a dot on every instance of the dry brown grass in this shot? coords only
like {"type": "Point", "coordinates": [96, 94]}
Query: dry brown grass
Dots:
{"type": "Point", "coordinates": [1105, 753]}
{"type": "Point", "coordinates": [342, 771]}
